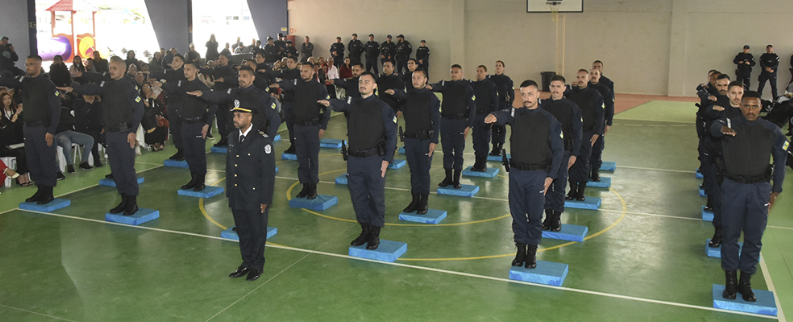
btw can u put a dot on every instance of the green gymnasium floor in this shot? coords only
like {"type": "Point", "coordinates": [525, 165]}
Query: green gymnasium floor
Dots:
{"type": "Point", "coordinates": [643, 259]}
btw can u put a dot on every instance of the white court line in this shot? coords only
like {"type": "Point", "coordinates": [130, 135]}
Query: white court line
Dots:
{"type": "Point", "coordinates": [770, 284]}
{"type": "Point", "coordinates": [656, 169]}
{"type": "Point", "coordinates": [561, 288]}
{"type": "Point", "coordinates": [36, 313]}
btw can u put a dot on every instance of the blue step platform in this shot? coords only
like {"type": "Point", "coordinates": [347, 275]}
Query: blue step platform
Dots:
{"type": "Point", "coordinates": [320, 203]}
{"type": "Point", "coordinates": [432, 216]}
{"type": "Point", "coordinates": [605, 182]}
{"type": "Point", "coordinates": [143, 215]}
{"type": "Point", "coordinates": [548, 273]}
{"type": "Point", "coordinates": [702, 193]}
{"type": "Point", "coordinates": [288, 156]}
{"type": "Point", "coordinates": [497, 158]}
{"type": "Point", "coordinates": [388, 251]}
{"type": "Point", "coordinates": [175, 164]}
{"type": "Point", "coordinates": [342, 179]}
{"type": "Point", "coordinates": [48, 207]}
{"type": "Point", "coordinates": [716, 252]}
{"type": "Point", "coordinates": [402, 150]}
{"type": "Point", "coordinates": [208, 192]}
{"type": "Point", "coordinates": [488, 173]}
{"type": "Point", "coordinates": [112, 183]}
{"type": "Point", "coordinates": [221, 149]}
{"type": "Point", "coordinates": [466, 190]}
{"type": "Point", "coordinates": [397, 164]}
{"type": "Point", "coordinates": [231, 234]}
{"type": "Point", "coordinates": [608, 166]}
{"type": "Point", "coordinates": [591, 203]}
{"type": "Point", "coordinates": [699, 175]}
{"type": "Point", "coordinates": [765, 305]}
{"type": "Point", "coordinates": [330, 143]}
{"type": "Point", "coordinates": [277, 137]}
{"type": "Point", "coordinates": [574, 233]}
{"type": "Point", "coordinates": [707, 215]}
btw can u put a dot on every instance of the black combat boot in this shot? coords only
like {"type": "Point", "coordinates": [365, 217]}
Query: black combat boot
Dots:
{"type": "Point", "coordinates": [573, 192]}
{"type": "Point", "coordinates": [413, 204]}
{"type": "Point", "coordinates": [46, 195]}
{"type": "Point", "coordinates": [531, 256]}
{"type": "Point", "coordinates": [422, 208]}
{"type": "Point", "coordinates": [199, 182]}
{"type": "Point", "coordinates": [132, 206]}
{"type": "Point", "coordinates": [361, 239]}
{"type": "Point", "coordinates": [448, 180]}
{"type": "Point", "coordinates": [178, 156]}
{"type": "Point", "coordinates": [556, 223]}
{"type": "Point", "coordinates": [35, 197]}
{"type": "Point", "coordinates": [546, 224]}
{"type": "Point", "coordinates": [595, 175]}
{"type": "Point", "coordinates": [715, 241]}
{"type": "Point", "coordinates": [121, 206]}
{"type": "Point", "coordinates": [730, 287]}
{"type": "Point", "coordinates": [456, 181]}
{"type": "Point", "coordinates": [312, 191]}
{"type": "Point", "coordinates": [745, 287]}
{"type": "Point", "coordinates": [580, 191]}
{"type": "Point", "coordinates": [192, 183]}
{"type": "Point", "coordinates": [374, 238]}
{"type": "Point", "coordinates": [520, 256]}
{"type": "Point", "coordinates": [303, 193]}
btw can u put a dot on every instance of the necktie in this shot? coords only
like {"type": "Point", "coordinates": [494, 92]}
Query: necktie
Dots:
{"type": "Point", "coordinates": [242, 137]}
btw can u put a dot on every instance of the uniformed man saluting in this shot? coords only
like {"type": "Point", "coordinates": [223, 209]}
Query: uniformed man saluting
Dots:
{"type": "Point", "coordinates": [747, 193]}
{"type": "Point", "coordinates": [590, 102]}
{"type": "Point", "coordinates": [486, 102]}
{"type": "Point", "coordinates": [42, 105]}
{"type": "Point", "coordinates": [123, 110]}
{"type": "Point", "coordinates": [506, 96]}
{"type": "Point", "coordinates": [372, 136]}
{"type": "Point", "coordinates": [537, 151]}
{"type": "Point", "coordinates": [250, 181]}
{"type": "Point", "coordinates": [458, 111]}
{"type": "Point", "coordinates": [389, 80]}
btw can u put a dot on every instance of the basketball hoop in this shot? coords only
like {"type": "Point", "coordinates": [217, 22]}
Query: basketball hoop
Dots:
{"type": "Point", "coordinates": [554, 5]}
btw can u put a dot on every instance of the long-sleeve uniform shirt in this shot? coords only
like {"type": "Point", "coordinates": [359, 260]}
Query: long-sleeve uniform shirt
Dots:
{"type": "Point", "coordinates": [569, 117]}
{"type": "Point", "coordinates": [122, 106]}
{"type": "Point", "coordinates": [421, 110]}
{"type": "Point", "coordinates": [306, 109]}
{"type": "Point", "coordinates": [536, 138]}
{"type": "Point", "coordinates": [459, 101]}
{"type": "Point", "coordinates": [265, 117]}
{"type": "Point", "coordinates": [362, 128]}
{"type": "Point", "coordinates": [193, 108]}
{"type": "Point", "coordinates": [42, 102]}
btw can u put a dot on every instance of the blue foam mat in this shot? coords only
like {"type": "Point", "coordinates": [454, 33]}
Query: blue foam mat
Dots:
{"type": "Point", "coordinates": [288, 156]}
{"type": "Point", "coordinates": [51, 206]}
{"type": "Point", "coordinates": [605, 182]}
{"type": "Point", "coordinates": [608, 166]}
{"type": "Point", "coordinates": [277, 137]}
{"type": "Point", "coordinates": [231, 234]}
{"type": "Point", "coordinates": [548, 273]}
{"type": "Point", "coordinates": [488, 173]}
{"type": "Point", "coordinates": [433, 216]}
{"type": "Point", "coordinates": [706, 215]}
{"type": "Point", "coordinates": [569, 232]}
{"type": "Point", "coordinates": [466, 190]}
{"type": "Point", "coordinates": [112, 183]}
{"type": "Point", "coordinates": [330, 143]}
{"type": "Point", "coordinates": [402, 150]}
{"type": "Point", "coordinates": [702, 193]}
{"type": "Point", "coordinates": [208, 192]}
{"type": "Point", "coordinates": [342, 179]}
{"type": "Point", "coordinates": [716, 252]}
{"type": "Point", "coordinates": [397, 164]}
{"type": "Point", "coordinates": [143, 215]}
{"type": "Point", "coordinates": [699, 175]}
{"type": "Point", "coordinates": [221, 149]}
{"type": "Point", "coordinates": [176, 164]}
{"type": "Point", "coordinates": [497, 158]}
{"type": "Point", "coordinates": [765, 305]}
{"type": "Point", "coordinates": [388, 251]}
{"type": "Point", "coordinates": [591, 203]}
{"type": "Point", "coordinates": [320, 203]}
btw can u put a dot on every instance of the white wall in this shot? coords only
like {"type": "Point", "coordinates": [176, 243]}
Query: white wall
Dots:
{"type": "Point", "coordinates": [662, 47]}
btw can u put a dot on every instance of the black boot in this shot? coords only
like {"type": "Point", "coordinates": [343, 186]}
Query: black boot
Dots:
{"type": "Point", "coordinates": [745, 287]}
{"type": "Point", "coordinates": [132, 206]}
{"type": "Point", "coordinates": [109, 176]}
{"type": "Point", "coordinates": [477, 163]}
{"type": "Point", "coordinates": [556, 223]}
{"type": "Point", "coordinates": [303, 193]}
{"type": "Point", "coordinates": [199, 182]}
{"type": "Point", "coordinates": [35, 197]}
{"type": "Point", "coordinates": [730, 287]}
{"type": "Point", "coordinates": [46, 195]}
{"type": "Point", "coordinates": [531, 256]}
{"type": "Point", "coordinates": [223, 142]}
{"type": "Point", "coordinates": [456, 181]}
{"type": "Point", "coordinates": [520, 257]}
{"type": "Point", "coordinates": [121, 206]}
{"type": "Point", "coordinates": [708, 204]}
{"type": "Point", "coordinates": [413, 204]}
{"type": "Point", "coordinates": [573, 192]}
{"type": "Point", "coordinates": [496, 149]}
{"type": "Point", "coordinates": [192, 183]}
{"type": "Point", "coordinates": [595, 174]}
{"type": "Point", "coordinates": [580, 191]}
{"type": "Point", "coordinates": [423, 207]}
{"type": "Point", "coordinates": [715, 241]}
{"type": "Point", "coordinates": [448, 180]}
{"type": "Point", "coordinates": [178, 156]}
{"type": "Point", "coordinates": [361, 239]}
{"type": "Point", "coordinates": [483, 162]}
{"type": "Point", "coordinates": [546, 224]}
{"type": "Point", "coordinates": [374, 238]}
{"type": "Point", "coordinates": [312, 191]}
{"type": "Point", "coordinates": [291, 149]}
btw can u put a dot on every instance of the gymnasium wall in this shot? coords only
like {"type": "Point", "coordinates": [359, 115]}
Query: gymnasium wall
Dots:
{"type": "Point", "coordinates": [661, 47]}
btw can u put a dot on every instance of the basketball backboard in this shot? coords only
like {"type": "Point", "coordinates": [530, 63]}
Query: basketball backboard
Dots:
{"type": "Point", "coordinates": [544, 6]}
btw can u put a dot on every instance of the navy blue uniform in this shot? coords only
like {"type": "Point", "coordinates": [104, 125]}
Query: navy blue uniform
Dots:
{"type": "Point", "coordinates": [308, 117]}
{"type": "Point", "coordinates": [768, 61]}
{"type": "Point", "coordinates": [569, 116]}
{"type": "Point", "coordinates": [537, 151]}
{"type": "Point", "coordinates": [355, 47]}
{"type": "Point", "coordinates": [712, 147]}
{"type": "Point", "coordinates": [387, 51]}
{"type": "Point", "coordinates": [423, 59]}
{"type": "Point", "coordinates": [421, 111]}
{"type": "Point", "coordinates": [591, 104]}
{"type": "Point", "coordinates": [386, 82]}
{"type": "Point", "coordinates": [743, 72]}
{"type": "Point", "coordinates": [265, 119]}
{"type": "Point", "coordinates": [250, 181]}
{"type": "Point", "coordinates": [288, 101]}
{"type": "Point", "coordinates": [337, 53]}
{"type": "Point", "coordinates": [506, 96]}
{"type": "Point", "coordinates": [350, 86]}
{"type": "Point", "coordinates": [195, 114]}
{"type": "Point", "coordinates": [372, 51]}
{"type": "Point", "coordinates": [223, 113]}
{"type": "Point", "coordinates": [458, 110]}
{"type": "Point", "coordinates": [486, 102]}
{"type": "Point", "coordinates": [608, 117]}
{"type": "Point", "coordinates": [173, 103]}
{"type": "Point", "coordinates": [370, 143]}
{"type": "Point", "coordinates": [403, 51]}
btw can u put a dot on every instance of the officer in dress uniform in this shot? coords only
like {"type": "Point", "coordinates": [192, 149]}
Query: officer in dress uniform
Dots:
{"type": "Point", "coordinates": [372, 49]}
{"type": "Point", "coordinates": [42, 106]}
{"type": "Point", "coordinates": [197, 117]}
{"type": "Point", "coordinates": [372, 145]}
{"type": "Point", "coordinates": [421, 111]}
{"type": "Point", "coordinates": [591, 104]}
{"type": "Point", "coordinates": [310, 121]}
{"type": "Point", "coordinates": [769, 62]}
{"type": "Point", "coordinates": [250, 181]}
{"type": "Point", "coordinates": [423, 57]}
{"type": "Point", "coordinates": [389, 80]}
{"type": "Point", "coordinates": [355, 47]}
{"type": "Point", "coordinates": [123, 111]}
{"type": "Point", "coordinates": [537, 151]}
{"type": "Point", "coordinates": [745, 61]}
{"type": "Point", "coordinates": [403, 51]}
{"type": "Point", "coordinates": [747, 193]}
{"type": "Point", "coordinates": [608, 116]}
{"type": "Point", "coordinates": [569, 116]}
{"type": "Point", "coordinates": [174, 103]}
{"type": "Point", "coordinates": [387, 50]}
{"type": "Point", "coordinates": [350, 86]}
{"type": "Point", "coordinates": [486, 102]}
{"type": "Point", "coordinates": [506, 96]}
{"type": "Point", "coordinates": [458, 110]}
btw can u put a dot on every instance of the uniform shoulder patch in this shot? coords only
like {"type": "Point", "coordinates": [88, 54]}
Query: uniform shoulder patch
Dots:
{"type": "Point", "coordinates": [56, 93]}
{"type": "Point", "coordinates": [395, 119]}
{"type": "Point", "coordinates": [179, 83]}
{"type": "Point", "coordinates": [102, 84]}
{"type": "Point", "coordinates": [785, 145]}
{"type": "Point", "coordinates": [273, 105]}
{"type": "Point", "coordinates": [327, 97]}
{"type": "Point", "coordinates": [561, 135]}
{"type": "Point", "coordinates": [137, 99]}
{"type": "Point", "coordinates": [473, 97]}
{"type": "Point", "coordinates": [228, 91]}
{"type": "Point", "coordinates": [268, 149]}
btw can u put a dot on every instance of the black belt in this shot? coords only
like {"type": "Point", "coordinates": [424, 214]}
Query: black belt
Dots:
{"type": "Point", "coordinates": [365, 153]}
{"type": "Point", "coordinates": [313, 122]}
{"type": "Point", "coordinates": [528, 167]}
{"type": "Point", "coordinates": [34, 123]}
{"type": "Point", "coordinates": [120, 127]}
{"type": "Point", "coordinates": [455, 116]}
{"type": "Point", "coordinates": [191, 120]}
{"type": "Point", "coordinates": [568, 144]}
{"type": "Point", "coordinates": [482, 112]}
{"type": "Point", "coordinates": [749, 179]}
{"type": "Point", "coordinates": [420, 135]}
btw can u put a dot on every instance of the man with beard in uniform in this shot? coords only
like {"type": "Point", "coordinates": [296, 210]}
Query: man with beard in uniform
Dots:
{"type": "Point", "coordinates": [745, 61]}
{"type": "Point", "coordinates": [458, 110]}
{"type": "Point", "coordinates": [537, 151]}
{"type": "Point", "coordinates": [389, 80]}
{"type": "Point", "coordinates": [387, 50]}
{"type": "Point", "coordinates": [174, 102]}
{"type": "Point", "coordinates": [355, 47]}
{"type": "Point", "coordinates": [603, 79]}
{"type": "Point", "coordinates": [708, 146]}
{"type": "Point", "coordinates": [608, 117]}
{"type": "Point", "coordinates": [486, 102]}
{"type": "Point", "coordinates": [569, 116]}
{"type": "Point", "coordinates": [506, 96]}
{"type": "Point", "coordinates": [42, 106]}
{"type": "Point", "coordinates": [310, 121]}
{"type": "Point", "coordinates": [423, 57]}
{"type": "Point", "coordinates": [705, 91]}
{"type": "Point", "coordinates": [421, 111]}
{"type": "Point", "coordinates": [337, 53]}
{"type": "Point", "coordinates": [372, 51]}
{"type": "Point", "coordinates": [403, 51]}
{"type": "Point", "coordinates": [769, 62]}
{"type": "Point", "coordinates": [591, 104]}
{"type": "Point", "coordinates": [350, 86]}
{"type": "Point", "coordinates": [221, 72]}
{"type": "Point", "coordinates": [372, 132]}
